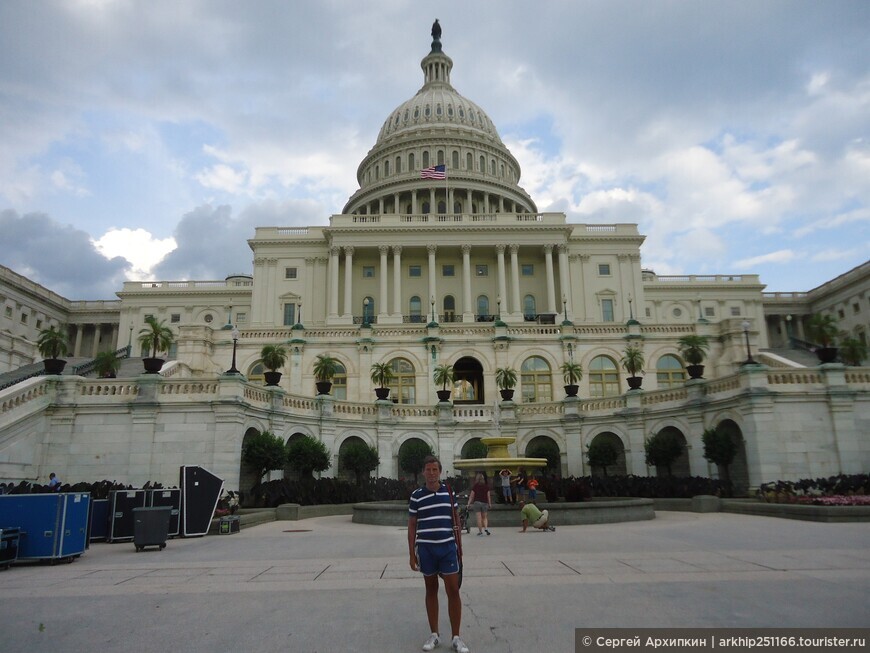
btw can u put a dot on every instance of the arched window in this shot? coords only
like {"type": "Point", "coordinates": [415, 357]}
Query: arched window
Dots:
{"type": "Point", "coordinates": [457, 207]}
{"type": "Point", "coordinates": [449, 306]}
{"type": "Point", "coordinates": [368, 309]}
{"type": "Point", "coordinates": [492, 167]}
{"type": "Point", "coordinates": [469, 162]}
{"type": "Point", "coordinates": [425, 207]}
{"type": "Point", "coordinates": [529, 307]}
{"type": "Point", "coordinates": [669, 371]}
{"type": "Point", "coordinates": [411, 165]}
{"type": "Point", "coordinates": [415, 308]}
{"type": "Point", "coordinates": [403, 388]}
{"type": "Point", "coordinates": [425, 159]}
{"type": "Point", "coordinates": [536, 380]}
{"type": "Point", "coordinates": [398, 165]}
{"type": "Point", "coordinates": [440, 157]}
{"type": "Point", "coordinates": [442, 208]}
{"type": "Point", "coordinates": [455, 161]}
{"type": "Point", "coordinates": [339, 383]}
{"type": "Point", "coordinates": [502, 170]}
{"type": "Point", "coordinates": [603, 377]}
{"type": "Point", "coordinates": [482, 164]}
{"type": "Point", "coordinates": [482, 308]}
{"type": "Point", "coordinates": [377, 172]}
{"type": "Point", "coordinates": [386, 168]}
{"type": "Point", "coordinates": [255, 373]}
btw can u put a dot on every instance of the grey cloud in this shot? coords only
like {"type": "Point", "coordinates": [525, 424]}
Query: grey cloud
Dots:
{"type": "Point", "coordinates": [60, 257]}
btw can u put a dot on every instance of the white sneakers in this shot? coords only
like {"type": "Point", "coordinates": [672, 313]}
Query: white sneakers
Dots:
{"type": "Point", "coordinates": [432, 642]}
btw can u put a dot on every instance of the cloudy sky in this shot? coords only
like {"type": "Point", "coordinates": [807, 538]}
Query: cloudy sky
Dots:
{"type": "Point", "coordinates": [146, 140]}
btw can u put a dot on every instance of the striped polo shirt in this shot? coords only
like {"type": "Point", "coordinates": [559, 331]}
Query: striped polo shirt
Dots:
{"type": "Point", "coordinates": [433, 513]}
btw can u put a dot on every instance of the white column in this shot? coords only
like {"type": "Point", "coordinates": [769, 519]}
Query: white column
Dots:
{"type": "Point", "coordinates": [502, 281]}
{"type": "Point", "coordinates": [397, 280]}
{"type": "Point", "coordinates": [432, 205]}
{"type": "Point", "coordinates": [467, 310]}
{"type": "Point", "coordinates": [333, 281]}
{"type": "Point", "coordinates": [468, 201]}
{"type": "Point", "coordinates": [565, 280]}
{"type": "Point", "coordinates": [551, 289]}
{"type": "Point", "coordinates": [77, 349]}
{"type": "Point", "coordinates": [96, 346]}
{"type": "Point", "coordinates": [430, 249]}
{"type": "Point", "coordinates": [383, 309]}
{"type": "Point", "coordinates": [578, 289]}
{"type": "Point", "coordinates": [348, 281]}
{"type": "Point", "coordinates": [515, 279]}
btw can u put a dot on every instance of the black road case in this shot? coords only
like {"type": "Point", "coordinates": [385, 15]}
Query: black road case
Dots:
{"type": "Point", "coordinates": [200, 491]}
{"type": "Point", "coordinates": [172, 499]}
{"type": "Point", "coordinates": [151, 527]}
{"type": "Point", "coordinates": [8, 546]}
{"type": "Point", "coordinates": [121, 505]}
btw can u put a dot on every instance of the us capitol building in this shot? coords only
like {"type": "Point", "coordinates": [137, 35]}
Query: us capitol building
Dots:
{"type": "Point", "coordinates": [440, 257]}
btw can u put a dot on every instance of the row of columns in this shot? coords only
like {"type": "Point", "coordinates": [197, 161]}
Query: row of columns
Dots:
{"type": "Point", "coordinates": [378, 207]}
{"type": "Point", "coordinates": [95, 344]}
{"type": "Point", "coordinates": [468, 309]}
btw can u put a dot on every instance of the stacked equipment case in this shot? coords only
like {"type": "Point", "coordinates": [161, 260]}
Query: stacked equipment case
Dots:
{"type": "Point", "coordinates": [52, 526]}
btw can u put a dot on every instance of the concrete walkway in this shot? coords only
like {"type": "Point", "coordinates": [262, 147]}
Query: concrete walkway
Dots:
{"type": "Point", "coordinates": [326, 584]}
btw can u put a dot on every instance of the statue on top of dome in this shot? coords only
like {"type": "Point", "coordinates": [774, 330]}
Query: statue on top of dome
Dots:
{"type": "Point", "coordinates": [436, 36]}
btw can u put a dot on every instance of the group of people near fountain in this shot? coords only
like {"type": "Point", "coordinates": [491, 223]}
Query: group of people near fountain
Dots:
{"type": "Point", "coordinates": [514, 489]}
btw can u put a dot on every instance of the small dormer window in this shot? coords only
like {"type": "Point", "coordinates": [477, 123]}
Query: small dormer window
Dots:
{"type": "Point", "coordinates": [450, 111]}
{"type": "Point", "coordinates": [406, 115]}
{"type": "Point", "coordinates": [461, 112]}
{"type": "Point", "coordinates": [438, 110]}
{"type": "Point", "coordinates": [428, 111]}
{"type": "Point", "coordinates": [416, 112]}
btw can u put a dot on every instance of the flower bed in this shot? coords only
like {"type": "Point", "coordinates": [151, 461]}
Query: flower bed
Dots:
{"type": "Point", "coordinates": [856, 500]}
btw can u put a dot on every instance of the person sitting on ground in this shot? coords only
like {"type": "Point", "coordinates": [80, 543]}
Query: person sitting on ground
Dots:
{"type": "Point", "coordinates": [537, 518]}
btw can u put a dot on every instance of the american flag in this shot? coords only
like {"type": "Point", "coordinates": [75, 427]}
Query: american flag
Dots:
{"type": "Point", "coordinates": [434, 172]}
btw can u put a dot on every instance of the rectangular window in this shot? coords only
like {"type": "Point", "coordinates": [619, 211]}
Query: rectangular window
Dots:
{"type": "Point", "coordinates": [289, 314]}
{"type": "Point", "coordinates": [24, 318]}
{"type": "Point", "coordinates": [607, 310]}
{"type": "Point", "coordinates": [840, 313]}
{"type": "Point", "coordinates": [290, 273]}
{"type": "Point", "coordinates": [735, 311]}
{"type": "Point", "coordinates": [604, 269]}
{"type": "Point", "coordinates": [527, 270]}
{"type": "Point", "coordinates": [709, 311]}
{"type": "Point", "coordinates": [175, 318]}
{"type": "Point", "coordinates": [8, 311]}
{"type": "Point", "coordinates": [368, 272]}
{"type": "Point", "coordinates": [415, 271]}
{"type": "Point", "coordinates": [147, 315]}
{"type": "Point", "coordinates": [39, 324]}
{"type": "Point", "coordinates": [856, 308]}
{"type": "Point", "coordinates": [481, 270]}
{"type": "Point", "coordinates": [447, 271]}
{"type": "Point", "coordinates": [648, 312]}
{"type": "Point", "coordinates": [241, 318]}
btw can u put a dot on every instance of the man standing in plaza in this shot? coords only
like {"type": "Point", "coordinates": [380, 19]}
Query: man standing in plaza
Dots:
{"type": "Point", "coordinates": [537, 518]}
{"type": "Point", "coordinates": [433, 545]}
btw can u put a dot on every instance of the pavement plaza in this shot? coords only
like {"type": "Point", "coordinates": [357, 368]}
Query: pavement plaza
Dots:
{"type": "Point", "coordinates": [327, 584]}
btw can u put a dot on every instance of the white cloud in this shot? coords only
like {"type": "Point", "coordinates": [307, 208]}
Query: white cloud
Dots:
{"type": "Point", "coordinates": [137, 246]}
{"type": "Point", "coordinates": [778, 257]}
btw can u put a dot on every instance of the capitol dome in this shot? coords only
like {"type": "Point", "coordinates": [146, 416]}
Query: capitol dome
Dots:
{"type": "Point", "coordinates": [439, 127]}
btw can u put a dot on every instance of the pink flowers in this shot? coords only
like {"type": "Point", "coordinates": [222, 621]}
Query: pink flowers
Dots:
{"type": "Point", "coordinates": [857, 500]}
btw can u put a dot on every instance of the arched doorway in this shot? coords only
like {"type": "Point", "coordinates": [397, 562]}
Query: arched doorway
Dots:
{"type": "Point", "coordinates": [410, 458]}
{"type": "Point", "coordinates": [291, 474]}
{"type": "Point", "coordinates": [738, 470]}
{"type": "Point", "coordinates": [618, 468]}
{"type": "Point", "coordinates": [343, 472]}
{"type": "Point", "coordinates": [680, 467]}
{"type": "Point", "coordinates": [543, 446]}
{"type": "Point", "coordinates": [247, 475]}
{"type": "Point", "coordinates": [468, 381]}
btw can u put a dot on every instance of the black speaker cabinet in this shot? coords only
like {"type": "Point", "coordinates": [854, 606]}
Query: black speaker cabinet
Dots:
{"type": "Point", "coordinates": [200, 491]}
{"type": "Point", "coordinates": [171, 499]}
{"type": "Point", "coordinates": [121, 504]}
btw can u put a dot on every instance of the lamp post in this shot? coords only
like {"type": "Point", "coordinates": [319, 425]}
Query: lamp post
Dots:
{"type": "Point", "coordinates": [235, 334]}
{"type": "Point", "coordinates": [564, 307]}
{"type": "Point", "coordinates": [130, 342]}
{"type": "Point", "coordinates": [748, 360]}
{"type": "Point", "coordinates": [365, 322]}
{"type": "Point", "coordinates": [498, 309]}
{"type": "Point", "coordinates": [299, 317]}
{"type": "Point", "coordinates": [630, 309]}
{"type": "Point", "coordinates": [788, 330]}
{"type": "Point", "coordinates": [432, 301]}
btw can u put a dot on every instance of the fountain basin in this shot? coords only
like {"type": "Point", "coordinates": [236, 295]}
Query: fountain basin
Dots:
{"type": "Point", "coordinates": [595, 511]}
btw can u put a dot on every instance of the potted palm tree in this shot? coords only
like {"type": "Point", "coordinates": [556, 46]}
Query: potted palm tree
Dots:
{"type": "Point", "coordinates": [325, 368]}
{"type": "Point", "coordinates": [693, 348]}
{"type": "Point", "coordinates": [632, 362]}
{"type": "Point", "coordinates": [106, 364]}
{"type": "Point", "coordinates": [571, 373]}
{"type": "Point", "coordinates": [506, 379]}
{"type": "Point", "coordinates": [443, 375]}
{"type": "Point", "coordinates": [823, 331]}
{"type": "Point", "coordinates": [52, 344]}
{"type": "Point", "coordinates": [852, 351]}
{"type": "Point", "coordinates": [273, 357]}
{"type": "Point", "coordinates": [382, 375]}
{"type": "Point", "coordinates": [155, 337]}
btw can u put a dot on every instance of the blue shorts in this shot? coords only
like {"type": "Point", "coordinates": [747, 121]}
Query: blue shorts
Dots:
{"type": "Point", "coordinates": [506, 491]}
{"type": "Point", "coordinates": [437, 558]}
